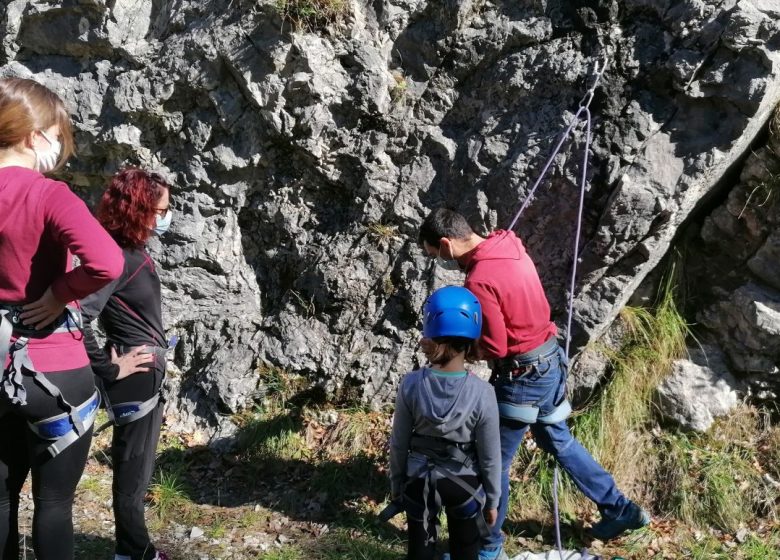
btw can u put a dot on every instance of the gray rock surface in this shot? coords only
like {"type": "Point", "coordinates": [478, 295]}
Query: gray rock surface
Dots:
{"type": "Point", "coordinates": [305, 160]}
{"type": "Point", "coordinates": [698, 390]}
{"type": "Point", "coordinates": [733, 261]}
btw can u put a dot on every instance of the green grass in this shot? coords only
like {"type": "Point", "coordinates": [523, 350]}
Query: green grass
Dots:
{"type": "Point", "coordinates": [716, 480]}
{"type": "Point", "coordinates": [767, 548]}
{"type": "Point", "coordinates": [169, 494]}
{"type": "Point", "coordinates": [279, 386]}
{"type": "Point", "coordinates": [290, 553]}
{"type": "Point", "coordinates": [274, 437]}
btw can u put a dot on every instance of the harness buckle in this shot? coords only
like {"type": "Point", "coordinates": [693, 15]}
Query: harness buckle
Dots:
{"type": "Point", "coordinates": [520, 371]}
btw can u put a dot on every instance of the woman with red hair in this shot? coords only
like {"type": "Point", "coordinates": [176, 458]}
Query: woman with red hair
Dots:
{"type": "Point", "coordinates": [131, 365]}
{"type": "Point", "coordinates": [47, 390]}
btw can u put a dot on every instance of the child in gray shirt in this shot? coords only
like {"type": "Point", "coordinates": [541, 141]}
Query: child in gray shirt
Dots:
{"type": "Point", "coordinates": [445, 446]}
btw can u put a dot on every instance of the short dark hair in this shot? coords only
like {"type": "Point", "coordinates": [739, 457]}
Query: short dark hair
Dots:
{"type": "Point", "coordinates": [443, 223]}
{"type": "Point", "coordinates": [449, 347]}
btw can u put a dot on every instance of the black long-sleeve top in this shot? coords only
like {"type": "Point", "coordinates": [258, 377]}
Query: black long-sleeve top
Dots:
{"type": "Point", "coordinates": [130, 312]}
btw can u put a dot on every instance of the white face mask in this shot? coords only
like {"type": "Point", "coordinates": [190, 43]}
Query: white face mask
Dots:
{"type": "Point", "coordinates": [447, 264]}
{"type": "Point", "coordinates": [162, 224]}
{"type": "Point", "coordinates": [47, 160]}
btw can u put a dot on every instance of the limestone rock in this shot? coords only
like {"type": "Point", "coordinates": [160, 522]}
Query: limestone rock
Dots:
{"type": "Point", "coordinates": [698, 390]}
{"type": "Point", "coordinates": [304, 160]}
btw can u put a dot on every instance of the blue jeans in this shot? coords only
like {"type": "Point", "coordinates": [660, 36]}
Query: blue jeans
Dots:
{"type": "Point", "coordinates": [545, 387]}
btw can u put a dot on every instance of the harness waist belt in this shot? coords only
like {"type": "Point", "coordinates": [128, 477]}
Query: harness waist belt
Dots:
{"type": "Point", "coordinates": [150, 348]}
{"type": "Point", "coordinates": [434, 443]}
{"type": "Point", "coordinates": [69, 321]}
{"type": "Point", "coordinates": [120, 414]}
{"type": "Point", "coordinates": [520, 364]}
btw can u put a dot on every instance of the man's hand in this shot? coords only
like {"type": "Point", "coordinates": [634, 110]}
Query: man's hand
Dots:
{"type": "Point", "coordinates": [131, 362]}
{"type": "Point", "coordinates": [42, 312]}
{"type": "Point", "coordinates": [490, 516]}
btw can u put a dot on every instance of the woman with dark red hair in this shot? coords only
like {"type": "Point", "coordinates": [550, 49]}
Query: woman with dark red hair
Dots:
{"type": "Point", "coordinates": [131, 365]}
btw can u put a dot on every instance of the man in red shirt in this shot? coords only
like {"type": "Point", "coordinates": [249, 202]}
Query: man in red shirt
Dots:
{"type": "Point", "coordinates": [529, 367]}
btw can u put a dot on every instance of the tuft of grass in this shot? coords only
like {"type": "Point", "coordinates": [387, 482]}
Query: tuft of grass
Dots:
{"type": "Point", "coordinates": [308, 307]}
{"type": "Point", "coordinates": [382, 232]}
{"type": "Point", "coordinates": [169, 495]}
{"type": "Point", "coordinates": [761, 548]}
{"type": "Point", "coordinates": [279, 386]}
{"type": "Point", "coordinates": [309, 15]}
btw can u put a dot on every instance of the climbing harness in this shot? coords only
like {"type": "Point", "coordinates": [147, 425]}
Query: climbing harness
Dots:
{"type": "Point", "coordinates": [62, 429]}
{"type": "Point", "coordinates": [120, 414]}
{"type": "Point", "coordinates": [516, 367]}
{"type": "Point", "coordinates": [438, 451]}
{"type": "Point", "coordinates": [66, 428]}
{"type": "Point", "coordinates": [583, 113]}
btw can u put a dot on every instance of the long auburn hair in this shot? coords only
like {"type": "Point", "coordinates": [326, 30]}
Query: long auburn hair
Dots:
{"type": "Point", "coordinates": [128, 205]}
{"type": "Point", "coordinates": [27, 106]}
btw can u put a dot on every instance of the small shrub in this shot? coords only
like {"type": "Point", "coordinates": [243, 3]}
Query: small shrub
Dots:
{"type": "Point", "coordinates": [399, 89]}
{"type": "Point", "coordinates": [313, 14]}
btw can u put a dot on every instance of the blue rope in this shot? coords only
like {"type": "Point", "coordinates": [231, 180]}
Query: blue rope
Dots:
{"type": "Point", "coordinates": [583, 109]}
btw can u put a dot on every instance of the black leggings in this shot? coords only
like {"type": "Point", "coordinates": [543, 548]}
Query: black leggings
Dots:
{"type": "Point", "coordinates": [461, 521]}
{"type": "Point", "coordinates": [133, 451]}
{"type": "Point", "coordinates": [54, 479]}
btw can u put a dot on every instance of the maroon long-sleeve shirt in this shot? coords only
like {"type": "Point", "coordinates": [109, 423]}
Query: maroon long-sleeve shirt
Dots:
{"type": "Point", "coordinates": [42, 225]}
{"type": "Point", "coordinates": [515, 311]}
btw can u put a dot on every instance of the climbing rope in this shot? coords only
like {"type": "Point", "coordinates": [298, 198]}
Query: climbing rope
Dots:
{"type": "Point", "coordinates": [583, 113]}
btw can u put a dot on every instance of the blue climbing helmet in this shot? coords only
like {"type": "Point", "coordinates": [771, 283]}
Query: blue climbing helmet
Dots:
{"type": "Point", "coordinates": [452, 311]}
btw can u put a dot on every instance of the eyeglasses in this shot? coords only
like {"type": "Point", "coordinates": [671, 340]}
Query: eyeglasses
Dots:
{"type": "Point", "coordinates": [161, 211]}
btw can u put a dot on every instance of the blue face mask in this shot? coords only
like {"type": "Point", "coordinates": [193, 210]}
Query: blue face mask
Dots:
{"type": "Point", "coordinates": [162, 224]}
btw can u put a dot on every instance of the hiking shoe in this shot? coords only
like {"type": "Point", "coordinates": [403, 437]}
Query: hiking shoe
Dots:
{"type": "Point", "coordinates": [633, 518]}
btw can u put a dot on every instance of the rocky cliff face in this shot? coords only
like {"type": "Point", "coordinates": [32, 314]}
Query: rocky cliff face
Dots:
{"type": "Point", "coordinates": [735, 261]}
{"type": "Point", "coordinates": [305, 159]}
